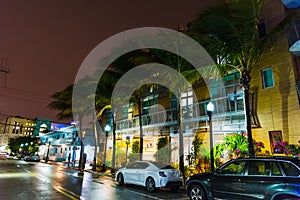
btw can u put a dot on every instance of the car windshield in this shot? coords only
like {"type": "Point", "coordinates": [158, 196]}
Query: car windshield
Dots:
{"type": "Point", "coordinates": [161, 165]}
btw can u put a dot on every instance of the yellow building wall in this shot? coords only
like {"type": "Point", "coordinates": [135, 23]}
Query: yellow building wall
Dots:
{"type": "Point", "coordinates": [277, 107]}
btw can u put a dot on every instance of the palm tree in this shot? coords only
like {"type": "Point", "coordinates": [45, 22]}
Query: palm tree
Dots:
{"type": "Point", "coordinates": [229, 32]}
{"type": "Point", "coordinates": [63, 103]}
{"type": "Point", "coordinates": [122, 65]}
{"type": "Point", "coordinates": [103, 101]}
{"type": "Point", "coordinates": [180, 65]}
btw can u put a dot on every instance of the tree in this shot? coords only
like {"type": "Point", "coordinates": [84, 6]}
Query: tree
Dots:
{"type": "Point", "coordinates": [122, 65]}
{"type": "Point", "coordinates": [181, 66]}
{"type": "Point", "coordinates": [229, 32]}
{"type": "Point", "coordinates": [164, 150]}
{"type": "Point", "coordinates": [134, 152]}
{"type": "Point", "coordinates": [25, 143]}
{"type": "Point", "coordinates": [63, 103]}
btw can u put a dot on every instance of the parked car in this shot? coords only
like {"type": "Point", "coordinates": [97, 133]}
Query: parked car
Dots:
{"type": "Point", "coordinates": [272, 178]}
{"type": "Point", "coordinates": [22, 155]}
{"type": "Point", "coordinates": [4, 155]}
{"type": "Point", "coordinates": [152, 175]}
{"type": "Point", "coordinates": [32, 157]}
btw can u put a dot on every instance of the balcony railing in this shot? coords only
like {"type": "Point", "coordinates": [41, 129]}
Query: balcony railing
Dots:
{"type": "Point", "coordinates": [228, 112]}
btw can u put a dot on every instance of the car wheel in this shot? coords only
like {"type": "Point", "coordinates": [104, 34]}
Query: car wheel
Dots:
{"type": "Point", "coordinates": [150, 184]}
{"type": "Point", "coordinates": [196, 193]}
{"type": "Point", "coordinates": [120, 179]}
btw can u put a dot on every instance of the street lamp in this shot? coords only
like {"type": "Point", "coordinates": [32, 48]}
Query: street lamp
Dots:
{"type": "Point", "coordinates": [21, 148]}
{"type": "Point", "coordinates": [210, 109]}
{"type": "Point", "coordinates": [127, 143]}
{"type": "Point", "coordinates": [106, 129]}
{"type": "Point", "coordinates": [82, 158]}
{"type": "Point", "coordinates": [47, 156]}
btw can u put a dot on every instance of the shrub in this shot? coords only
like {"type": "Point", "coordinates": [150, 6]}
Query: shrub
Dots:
{"type": "Point", "coordinates": [287, 149]}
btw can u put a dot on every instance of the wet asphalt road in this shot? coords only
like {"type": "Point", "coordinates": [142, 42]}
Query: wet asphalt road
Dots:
{"type": "Point", "coordinates": [29, 181]}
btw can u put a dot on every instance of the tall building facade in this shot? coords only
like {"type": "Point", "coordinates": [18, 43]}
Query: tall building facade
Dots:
{"type": "Point", "coordinates": [274, 101]}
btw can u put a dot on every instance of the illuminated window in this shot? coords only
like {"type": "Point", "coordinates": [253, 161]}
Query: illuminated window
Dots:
{"type": "Point", "coordinates": [267, 78]}
{"type": "Point", "coordinates": [128, 111]}
{"type": "Point", "coordinates": [187, 101]}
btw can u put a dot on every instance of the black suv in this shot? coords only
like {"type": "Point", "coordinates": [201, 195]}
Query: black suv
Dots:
{"type": "Point", "coordinates": [272, 178]}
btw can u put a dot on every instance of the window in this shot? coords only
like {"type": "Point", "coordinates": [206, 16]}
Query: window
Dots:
{"type": "Point", "coordinates": [263, 168]}
{"type": "Point", "coordinates": [267, 78]}
{"type": "Point", "coordinates": [128, 112]}
{"type": "Point", "coordinates": [253, 168]}
{"type": "Point", "coordinates": [261, 28]}
{"type": "Point", "coordinates": [290, 169]}
{"type": "Point", "coordinates": [275, 170]}
{"type": "Point", "coordinates": [144, 165]}
{"type": "Point", "coordinates": [149, 101]}
{"type": "Point", "coordinates": [234, 168]}
{"type": "Point", "coordinates": [134, 166]}
{"type": "Point", "coordinates": [172, 115]}
{"type": "Point", "coordinates": [187, 101]}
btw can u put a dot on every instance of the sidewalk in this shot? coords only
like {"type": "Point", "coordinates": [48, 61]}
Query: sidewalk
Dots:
{"type": "Point", "coordinates": [88, 167]}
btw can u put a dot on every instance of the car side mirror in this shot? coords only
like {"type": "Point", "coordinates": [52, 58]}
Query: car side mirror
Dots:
{"type": "Point", "coordinates": [219, 171]}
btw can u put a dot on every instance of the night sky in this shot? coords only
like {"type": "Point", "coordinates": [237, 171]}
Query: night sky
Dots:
{"type": "Point", "coordinates": [45, 42]}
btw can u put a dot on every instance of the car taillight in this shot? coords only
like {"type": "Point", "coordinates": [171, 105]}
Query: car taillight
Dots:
{"type": "Point", "coordinates": [162, 174]}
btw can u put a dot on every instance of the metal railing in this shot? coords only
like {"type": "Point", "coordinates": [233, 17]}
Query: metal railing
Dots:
{"type": "Point", "coordinates": [229, 111]}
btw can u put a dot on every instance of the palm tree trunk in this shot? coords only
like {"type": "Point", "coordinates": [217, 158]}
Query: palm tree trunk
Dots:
{"type": "Point", "coordinates": [80, 166]}
{"type": "Point", "coordinates": [245, 83]}
{"type": "Point", "coordinates": [96, 143]}
{"type": "Point", "coordinates": [113, 162]}
{"type": "Point", "coordinates": [181, 152]}
{"type": "Point", "coordinates": [141, 128]}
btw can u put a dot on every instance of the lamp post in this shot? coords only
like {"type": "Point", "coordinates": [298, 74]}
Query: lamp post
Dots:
{"type": "Point", "coordinates": [210, 109]}
{"type": "Point", "coordinates": [82, 158]}
{"type": "Point", "coordinates": [47, 156]}
{"type": "Point", "coordinates": [127, 143]}
{"type": "Point", "coordinates": [106, 129]}
{"type": "Point", "coordinates": [21, 149]}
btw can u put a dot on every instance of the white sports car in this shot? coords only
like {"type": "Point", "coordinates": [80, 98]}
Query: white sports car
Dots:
{"type": "Point", "coordinates": [152, 175]}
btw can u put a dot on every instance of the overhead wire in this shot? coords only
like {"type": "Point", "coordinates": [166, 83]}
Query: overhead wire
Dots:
{"type": "Point", "coordinates": [25, 93]}
{"type": "Point", "coordinates": [23, 99]}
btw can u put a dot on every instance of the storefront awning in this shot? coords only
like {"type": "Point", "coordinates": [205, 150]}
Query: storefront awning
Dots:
{"type": "Point", "coordinates": [291, 3]}
{"type": "Point", "coordinates": [295, 48]}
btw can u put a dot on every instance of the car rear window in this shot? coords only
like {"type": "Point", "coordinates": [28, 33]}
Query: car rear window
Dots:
{"type": "Point", "coordinates": [162, 165]}
{"type": "Point", "coordinates": [290, 169]}
{"type": "Point", "coordinates": [297, 162]}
